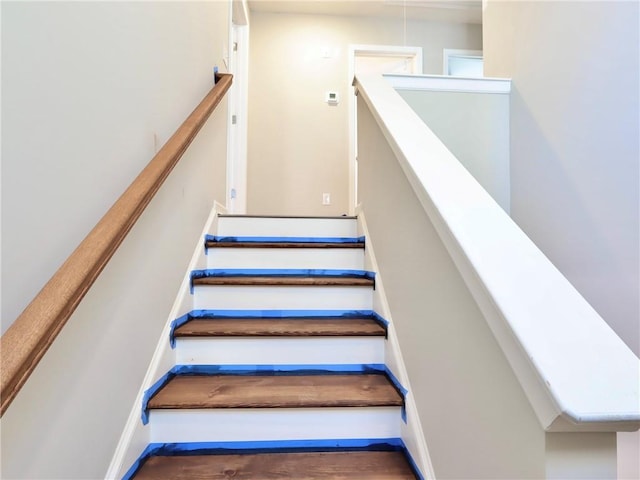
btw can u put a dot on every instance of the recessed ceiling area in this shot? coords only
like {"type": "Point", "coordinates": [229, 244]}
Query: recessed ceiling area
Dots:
{"type": "Point", "coordinates": [457, 11]}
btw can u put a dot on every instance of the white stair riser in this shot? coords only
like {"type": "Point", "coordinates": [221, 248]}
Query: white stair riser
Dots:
{"type": "Point", "coordinates": [257, 424]}
{"type": "Point", "coordinates": [287, 227]}
{"type": "Point", "coordinates": [281, 298]}
{"type": "Point", "coordinates": [283, 350]}
{"type": "Point", "coordinates": [301, 258]}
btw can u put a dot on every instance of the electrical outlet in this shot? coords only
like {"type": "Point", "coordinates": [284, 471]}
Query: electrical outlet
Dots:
{"type": "Point", "coordinates": [326, 199]}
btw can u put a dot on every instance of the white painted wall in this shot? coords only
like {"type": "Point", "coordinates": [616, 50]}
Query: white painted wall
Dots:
{"type": "Point", "coordinates": [90, 91]}
{"type": "Point", "coordinates": [574, 149]}
{"type": "Point", "coordinates": [298, 145]}
{"type": "Point", "coordinates": [574, 141]}
{"type": "Point", "coordinates": [475, 128]}
{"type": "Point", "coordinates": [86, 86]}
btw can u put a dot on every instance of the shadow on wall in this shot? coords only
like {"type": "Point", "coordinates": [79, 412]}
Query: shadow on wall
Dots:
{"type": "Point", "coordinates": [555, 212]}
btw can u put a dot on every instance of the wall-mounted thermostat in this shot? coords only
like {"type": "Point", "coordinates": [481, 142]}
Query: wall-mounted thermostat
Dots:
{"type": "Point", "coordinates": [332, 98]}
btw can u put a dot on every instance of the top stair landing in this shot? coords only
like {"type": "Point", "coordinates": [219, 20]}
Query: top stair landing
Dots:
{"type": "Point", "coordinates": [278, 226]}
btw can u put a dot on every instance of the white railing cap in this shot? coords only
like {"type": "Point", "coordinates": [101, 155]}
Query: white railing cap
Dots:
{"type": "Point", "coordinates": [444, 83]}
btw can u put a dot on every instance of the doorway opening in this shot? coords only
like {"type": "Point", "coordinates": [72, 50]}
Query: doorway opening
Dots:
{"type": "Point", "coordinates": [373, 59]}
{"type": "Point", "coordinates": [238, 65]}
{"type": "Point", "coordinates": [462, 63]}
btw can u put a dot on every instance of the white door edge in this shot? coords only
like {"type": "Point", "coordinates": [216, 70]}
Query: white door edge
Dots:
{"type": "Point", "coordinates": [415, 53]}
{"type": "Point", "coordinates": [236, 195]}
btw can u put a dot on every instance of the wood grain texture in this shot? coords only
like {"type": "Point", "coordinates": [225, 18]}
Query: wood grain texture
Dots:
{"type": "Point", "coordinates": [280, 327]}
{"type": "Point", "coordinates": [29, 337]}
{"type": "Point", "coordinates": [324, 245]}
{"type": "Point", "coordinates": [279, 391]}
{"type": "Point", "coordinates": [285, 281]}
{"type": "Point", "coordinates": [273, 466]}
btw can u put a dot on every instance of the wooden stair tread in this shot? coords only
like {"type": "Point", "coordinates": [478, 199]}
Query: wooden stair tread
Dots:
{"type": "Point", "coordinates": [297, 465]}
{"type": "Point", "coordinates": [323, 280]}
{"type": "Point", "coordinates": [280, 327]}
{"type": "Point", "coordinates": [222, 244]}
{"type": "Point", "coordinates": [272, 391]}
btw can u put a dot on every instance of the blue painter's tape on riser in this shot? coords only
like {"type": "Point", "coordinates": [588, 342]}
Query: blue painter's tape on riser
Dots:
{"type": "Point", "coordinates": [318, 273]}
{"type": "Point", "coordinates": [328, 445]}
{"type": "Point", "coordinates": [282, 297]}
{"type": "Point", "coordinates": [262, 424]}
{"type": "Point", "coordinates": [280, 350]}
{"type": "Point", "coordinates": [276, 314]}
{"type": "Point", "coordinates": [305, 240]}
{"type": "Point", "coordinates": [285, 258]}
{"type": "Point", "coordinates": [287, 227]}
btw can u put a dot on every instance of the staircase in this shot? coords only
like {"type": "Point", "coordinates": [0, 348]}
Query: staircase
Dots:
{"type": "Point", "coordinates": [280, 366]}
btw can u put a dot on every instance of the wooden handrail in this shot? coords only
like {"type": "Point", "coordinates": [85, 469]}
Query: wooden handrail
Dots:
{"type": "Point", "coordinates": [29, 337]}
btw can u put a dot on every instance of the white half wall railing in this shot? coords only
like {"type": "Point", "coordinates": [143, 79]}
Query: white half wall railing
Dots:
{"type": "Point", "coordinates": [578, 376]}
{"type": "Point", "coordinates": [471, 117]}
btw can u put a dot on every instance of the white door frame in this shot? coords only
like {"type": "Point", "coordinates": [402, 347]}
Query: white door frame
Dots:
{"type": "Point", "coordinates": [414, 53]}
{"type": "Point", "coordinates": [238, 65]}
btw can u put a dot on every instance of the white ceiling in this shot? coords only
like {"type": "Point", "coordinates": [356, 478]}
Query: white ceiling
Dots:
{"type": "Point", "coordinates": [459, 11]}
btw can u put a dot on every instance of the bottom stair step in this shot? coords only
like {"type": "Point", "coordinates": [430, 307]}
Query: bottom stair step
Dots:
{"type": "Point", "coordinates": [299, 465]}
